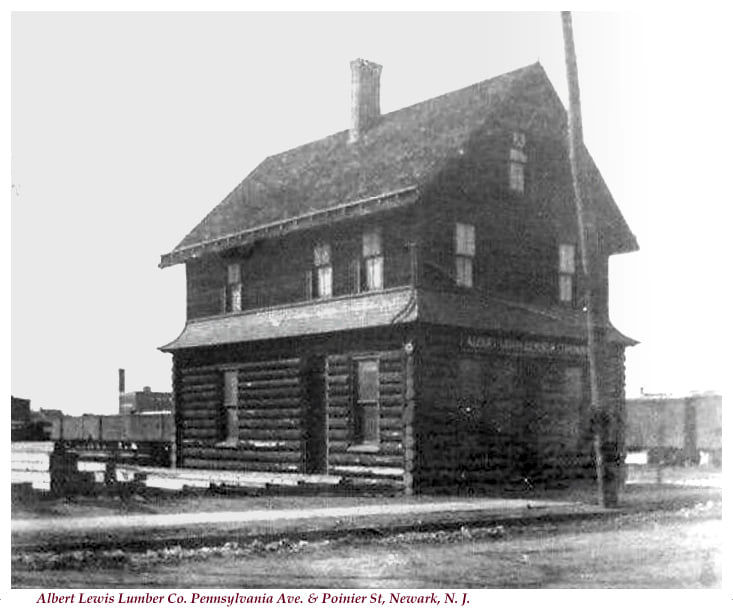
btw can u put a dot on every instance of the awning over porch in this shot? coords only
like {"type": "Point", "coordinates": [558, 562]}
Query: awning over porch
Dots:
{"type": "Point", "coordinates": [493, 313]}
{"type": "Point", "coordinates": [385, 308]}
{"type": "Point", "coordinates": [351, 312]}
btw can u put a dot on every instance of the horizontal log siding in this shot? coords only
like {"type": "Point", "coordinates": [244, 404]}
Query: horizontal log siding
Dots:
{"type": "Point", "coordinates": [270, 417]}
{"type": "Point", "coordinates": [198, 408]}
{"type": "Point", "coordinates": [436, 467]}
{"type": "Point", "coordinates": [520, 430]}
{"type": "Point", "coordinates": [385, 467]}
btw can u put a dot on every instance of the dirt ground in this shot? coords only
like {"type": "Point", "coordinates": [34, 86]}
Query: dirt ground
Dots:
{"type": "Point", "coordinates": [666, 548]}
{"type": "Point", "coordinates": [668, 537]}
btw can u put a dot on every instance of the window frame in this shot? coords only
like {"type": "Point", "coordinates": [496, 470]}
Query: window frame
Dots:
{"type": "Point", "coordinates": [372, 260]}
{"type": "Point", "coordinates": [230, 406]}
{"type": "Point", "coordinates": [323, 270]}
{"type": "Point", "coordinates": [360, 441]}
{"type": "Point", "coordinates": [517, 163]}
{"type": "Point", "coordinates": [566, 273]}
{"type": "Point", "coordinates": [234, 289]}
{"type": "Point", "coordinates": [464, 243]}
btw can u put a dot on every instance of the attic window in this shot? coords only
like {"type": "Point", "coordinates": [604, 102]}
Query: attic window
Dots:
{"type": "Point", "coordinates": [234, 287]}
{"type": "Point", "coordinates": [517, 161]}
{"type": "Point", "coordinates": [465, 252]}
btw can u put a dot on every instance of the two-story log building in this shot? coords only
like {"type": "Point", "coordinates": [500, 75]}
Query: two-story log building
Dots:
{"type": "Point", "coordinates": [398, 303]}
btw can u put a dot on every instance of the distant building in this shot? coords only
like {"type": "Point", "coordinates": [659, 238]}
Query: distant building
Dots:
{"type": "Point", "coordinates": [686, 429]}
{"type": "Point", "coordinates": [146, 401]}
{"type": "Point", "coordinates": [20, 409]}
{"type": "Point", "coordinates": [27, 425]}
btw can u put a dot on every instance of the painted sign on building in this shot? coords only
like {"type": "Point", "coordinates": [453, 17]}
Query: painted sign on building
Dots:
{"type": "Point", "coordinates": [504, 345]}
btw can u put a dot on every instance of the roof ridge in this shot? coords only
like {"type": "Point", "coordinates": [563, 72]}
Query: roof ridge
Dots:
{"type": "Point", "coordinates": [404, 148]}
{"type": "Point", "coordinates": [486, 81]}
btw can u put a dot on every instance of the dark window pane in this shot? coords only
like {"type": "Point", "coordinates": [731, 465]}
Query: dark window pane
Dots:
{"type": "Point", "coordinates": [464, 271]}
{"type": "Point", "coordinates": [322, 255]}
{"type": "Point", "coordinates": [232, 424]}
{"type": "Point", "coordinates": [367, 380]}
{"type": "Point", "coordinates": [309, 284]}
{"type": "Point", "coordinates": [370, 423]}
{"type": "Point", "coordinates": [566, 288]}
{"type": "Point", "coordinates": [231, 389]}
{"type": "Point", "coordinates": [234, 274]}
{"type": "Point", "coordinates": [574, 383]}
{"type": "Point", "coordinates": [355, 275]}
{"type": "Point", "coordinates": [372, 243]}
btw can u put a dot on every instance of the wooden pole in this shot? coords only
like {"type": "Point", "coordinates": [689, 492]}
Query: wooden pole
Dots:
{"type": "Point", "coordinates": [587, 252]}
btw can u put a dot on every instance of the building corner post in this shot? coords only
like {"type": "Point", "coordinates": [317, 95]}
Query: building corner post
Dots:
{"type": "Point", "coordinates": [408, 419]}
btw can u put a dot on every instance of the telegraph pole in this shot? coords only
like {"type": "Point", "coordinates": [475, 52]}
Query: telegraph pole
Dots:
{"type": "Point", "coordinates": [588, 253]}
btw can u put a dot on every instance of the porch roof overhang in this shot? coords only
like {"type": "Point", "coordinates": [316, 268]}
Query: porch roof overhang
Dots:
{"type": "Point", "coordinates": [483, 313]}
{"type": "Point", "coordinates": [350, 312]}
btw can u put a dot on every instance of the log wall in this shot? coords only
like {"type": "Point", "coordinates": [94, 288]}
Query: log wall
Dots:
{"type": "Point", "coordinates": [485, 419]}
{"type": "Point", "coordinates": [270, 414]}
{"type": "Point", "coordinates": [279, 383]}
{"type": "Point", "coordinates": [448, 418]}
{"type": "Point", "coordinates": [382, 466]}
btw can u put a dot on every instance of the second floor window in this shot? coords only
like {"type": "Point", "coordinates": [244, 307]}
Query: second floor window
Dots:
{"type": "Point", "coordinates": [566, 273]}
{"type": "Point", "coordinates": [324, 270]}
{"type": "Point", "coordinates": [234, 287]}
{"type": "Point", "coordinates": [465, 252]}
{"type": "Point", "coordinates": [373, 260]}
{"type": "Point", "coordinates": [517, 161]}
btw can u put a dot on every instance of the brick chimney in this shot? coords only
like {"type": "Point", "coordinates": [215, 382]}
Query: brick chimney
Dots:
{"type": "Point", "coordinates": [364, 97]}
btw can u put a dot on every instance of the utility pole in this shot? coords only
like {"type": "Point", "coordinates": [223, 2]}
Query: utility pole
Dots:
{"type": "Point", "coordinates": [588, 256]}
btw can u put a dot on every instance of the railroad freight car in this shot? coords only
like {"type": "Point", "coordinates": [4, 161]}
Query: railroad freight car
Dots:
{"type": "Point", "coordinates": [145, 438]}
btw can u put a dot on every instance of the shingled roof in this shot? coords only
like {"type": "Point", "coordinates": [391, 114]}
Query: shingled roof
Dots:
{"type": "Point", "coordinates": [393, 158]}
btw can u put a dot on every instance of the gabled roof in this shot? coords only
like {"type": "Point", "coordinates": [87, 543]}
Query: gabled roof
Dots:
{"type": "Point", "coordinates": [395, 156]}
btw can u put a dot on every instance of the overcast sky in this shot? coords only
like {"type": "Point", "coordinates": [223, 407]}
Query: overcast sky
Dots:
{"type": "Point", "coordinates": [127, 128]}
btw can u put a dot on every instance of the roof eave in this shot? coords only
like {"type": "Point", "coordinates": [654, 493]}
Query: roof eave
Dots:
{"type": "Point", "coordinates": [351, 209]}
